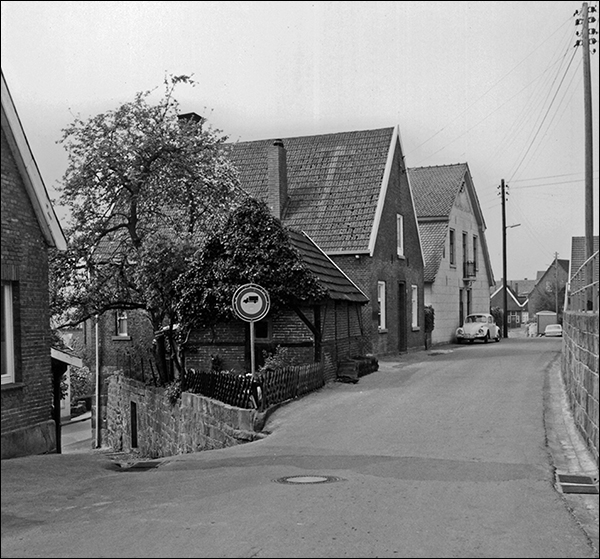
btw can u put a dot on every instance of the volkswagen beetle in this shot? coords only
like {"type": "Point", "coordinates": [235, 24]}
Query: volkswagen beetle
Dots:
{"type": "Point", "coordinates": [478, 326]}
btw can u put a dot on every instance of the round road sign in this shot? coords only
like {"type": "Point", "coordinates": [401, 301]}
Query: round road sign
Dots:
{"type": "Point", "coordinates": [251, 302]}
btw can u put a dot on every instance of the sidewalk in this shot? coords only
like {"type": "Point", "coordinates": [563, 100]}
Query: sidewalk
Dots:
{"type": "Point", "coordinates": [76, 434]}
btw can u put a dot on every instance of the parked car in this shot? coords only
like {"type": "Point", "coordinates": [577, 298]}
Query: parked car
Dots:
{"type": "Point", "coordinates": [478, 326]}
{"type": "Point", "coordinates": [553, 330]}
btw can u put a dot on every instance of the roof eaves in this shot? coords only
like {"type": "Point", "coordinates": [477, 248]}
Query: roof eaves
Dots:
{"type": "Point", "coordinates": [382, 191]}
{"type": "Point", "coordinates": [412, 198]}
{"type": "Point", "coordinates": [334, 264]}
{"type": "Point", "coordinates": [30, 173]}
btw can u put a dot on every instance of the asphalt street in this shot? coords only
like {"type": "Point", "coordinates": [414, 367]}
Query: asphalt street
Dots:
{"type": "Point", "coordinates": [451, 452]}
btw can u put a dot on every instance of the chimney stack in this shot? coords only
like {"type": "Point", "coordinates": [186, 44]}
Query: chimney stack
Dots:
{"type": "Point", "coordinates": [277, 178]}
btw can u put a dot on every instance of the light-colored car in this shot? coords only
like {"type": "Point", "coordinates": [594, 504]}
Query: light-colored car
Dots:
{"type": "Point", "coordinates": [478, 326]}
{"type": "Point", "coordinates": [553, 330]}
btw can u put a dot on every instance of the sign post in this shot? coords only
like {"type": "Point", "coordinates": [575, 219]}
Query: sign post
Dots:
{"type": "Point", "coordinates": [251, 303]}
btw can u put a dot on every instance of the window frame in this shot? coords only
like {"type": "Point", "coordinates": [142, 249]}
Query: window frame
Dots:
{"type": "Point", "coordinates": [400, 235]}
{"type": "Point", "coordinates": [121, 318]}
{"type": "Point", "coordinates": [415, 306]}
{"type": "Point", "coordinates": [8, 327]}
{"type": "Point", "coordinates": [452, 247]}
{"type": "Point", "coordinates": [381, 303]}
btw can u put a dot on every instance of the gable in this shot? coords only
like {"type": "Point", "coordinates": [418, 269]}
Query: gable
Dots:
{"type": "Point", "coordinates": [27, 166]}
{"type": "Point", "coordinates": [462, 201]}
{"type": "Point", "coordinates": [334, 183]}
{"type": "Point", "coordinates": [435, 188]}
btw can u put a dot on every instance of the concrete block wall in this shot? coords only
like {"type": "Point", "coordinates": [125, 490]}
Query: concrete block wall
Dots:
{"type": "Point", "coordinates": [580, 373]}
{"type": "Point", "coordinates": [194, 423]}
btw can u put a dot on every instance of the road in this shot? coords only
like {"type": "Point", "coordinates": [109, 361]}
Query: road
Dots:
{"type": "Point", "coordinates": [442, 453]}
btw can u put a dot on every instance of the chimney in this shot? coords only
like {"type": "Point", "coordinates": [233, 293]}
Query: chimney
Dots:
{"type": "Point", "coordinates": [277, 178]}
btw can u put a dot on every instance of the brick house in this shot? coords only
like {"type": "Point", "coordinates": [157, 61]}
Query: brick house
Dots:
{"type": "Point", "coordinates": [349, 192]}
{"type": "Point", "coordinates": [548, 294]}
{"type": "Point", "coordinates": [29, 228]}
{"type": "Point", "coordinates": [517, 313]}
{"type": "Point", "coordinates": [329, 331]}
{"type": "Point", "coordinates": [458, 273]}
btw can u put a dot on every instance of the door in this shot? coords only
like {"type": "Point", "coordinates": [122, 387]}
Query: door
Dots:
{"type": "Point", "coordinates": [402, 343]}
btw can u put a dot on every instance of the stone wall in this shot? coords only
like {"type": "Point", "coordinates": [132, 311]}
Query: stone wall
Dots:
{"type": "Point", "coordinates": [142, 417]}
{"type": "Point", "coordinates": [580, 373]}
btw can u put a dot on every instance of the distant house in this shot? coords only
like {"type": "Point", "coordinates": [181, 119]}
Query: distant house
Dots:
{"type": "Point", "coordinates": [458, 272]}
{"type": "Point", "coordinates": [548, 294]}
{"type": "Point", "coordinates": [517, 313]}
{"type": "Point", "coordinates": [29, 228]}
{"type": "Point", "coordinates": [578, 280]}
{"type": "Point", "coordinates": [349, 192]}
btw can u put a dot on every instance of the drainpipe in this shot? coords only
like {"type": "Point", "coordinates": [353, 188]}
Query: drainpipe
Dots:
{"type": "Point", "coordinates": [98, 437]}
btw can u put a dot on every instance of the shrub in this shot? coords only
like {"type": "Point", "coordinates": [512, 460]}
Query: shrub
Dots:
{"type": "Point", "coordinates": [429, 318]}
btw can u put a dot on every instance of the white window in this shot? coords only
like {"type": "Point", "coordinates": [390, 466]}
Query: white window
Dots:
{"type": "Point", "coordinates": [381, 302]}
{"type": "Point", "coordinates": [415, 307]}
{"type": "Point", "coordinates": [121, 327]}
{"type": "Point", "coordinates": [400, 234]}
{"type": "Point", "coordinates": [8, 342]}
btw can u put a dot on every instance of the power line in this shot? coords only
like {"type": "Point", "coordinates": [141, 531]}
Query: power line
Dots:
{"type": "Point", "coordinates": [544, 117]}
{"type": "Point", "coordinates": [488, 90]}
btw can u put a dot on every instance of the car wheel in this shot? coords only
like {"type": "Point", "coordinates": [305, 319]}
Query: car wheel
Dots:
{"type": "Point", "coordinates": [498, 337]}
{"type": "Point", "coordinates": [487, 338]}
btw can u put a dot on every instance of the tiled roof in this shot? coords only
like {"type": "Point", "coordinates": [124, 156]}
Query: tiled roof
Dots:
{"type": "Point", "coordinates": [433, 237]}
{"type": "Point", "coordinates": [334, 182]}
{"type": "Point", "coordinates": [337, 284]}
{"type": "Point", "coordinates": [435, 188]}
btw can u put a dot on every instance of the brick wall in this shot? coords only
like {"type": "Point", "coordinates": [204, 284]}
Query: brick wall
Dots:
{"type": "Point", "coordinates": [193, 424]}
{"type": "Point", "coordinates": [580, 373]}
{"type": "Point", "coordinates": [27, 424]}
{"type": "Point", "coordinates": [386, 265]}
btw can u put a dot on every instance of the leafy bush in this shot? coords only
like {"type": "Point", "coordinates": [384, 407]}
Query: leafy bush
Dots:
{"type": "Point", "coordinates": [429, 319]}
{"type": "Point", "coordinates": [279, 359]}
{"type": "Point", "coordinates": [173, 391]}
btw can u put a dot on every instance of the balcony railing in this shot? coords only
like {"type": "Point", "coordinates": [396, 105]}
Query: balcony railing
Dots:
{"type": "Point", "coordinates": [469, 271]}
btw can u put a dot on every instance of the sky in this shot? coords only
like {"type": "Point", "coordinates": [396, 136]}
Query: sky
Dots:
{"type": "Point", "coordinates": [496, 85]}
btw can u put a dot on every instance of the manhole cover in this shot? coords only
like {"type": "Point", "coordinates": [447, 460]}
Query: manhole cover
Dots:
{"type": "Point", "coordinates": [300, 480]}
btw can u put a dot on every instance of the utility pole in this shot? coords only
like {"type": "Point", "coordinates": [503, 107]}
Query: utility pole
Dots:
{"type": "Point", "coordinates": [589, 192]}
{"type": "Point", "coordinates": [556, 284]}
{"type": "Point", "coordinates": [505, 291]}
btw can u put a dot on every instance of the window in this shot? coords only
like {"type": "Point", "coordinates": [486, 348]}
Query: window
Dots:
{"type": "Point", "coordinates": [475, 249]}
{"type": "Point", "coordinates": [400, 234]}
{"type": "Point", "coordinates": [381, 304]}
{"type": "Point", "coordinates": [465, 248]}
{"type": "Point", "coordinates": [8, 342]}
{"type": "Point", "coordinates": [452, 249]}
{"type": "Point", "coordinates": [262, 330]}
{"type": "Point", "coordinates": [415, 307]}
{"type": "Point", "coordinates": [121, 327]}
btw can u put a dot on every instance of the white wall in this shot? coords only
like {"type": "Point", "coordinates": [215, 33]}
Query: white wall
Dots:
{"type": "Point", "coordinates": [443, 294]}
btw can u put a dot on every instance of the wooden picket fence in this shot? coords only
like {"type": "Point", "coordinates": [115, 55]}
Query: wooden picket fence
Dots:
{"type": "Point", "coordinates": [272, 387]}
